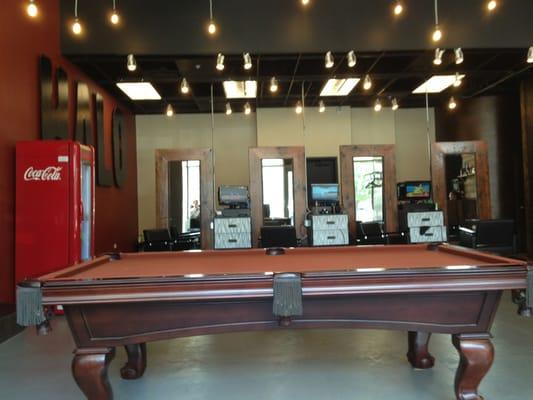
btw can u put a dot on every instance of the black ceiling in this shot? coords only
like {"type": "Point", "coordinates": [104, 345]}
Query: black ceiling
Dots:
{"type": "Point", "coordinates": [394, 74]}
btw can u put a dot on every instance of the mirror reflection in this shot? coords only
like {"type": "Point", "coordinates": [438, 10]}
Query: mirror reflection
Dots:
{"type": "Point", "coordinates": [368, 183]}
{"type": "Point", "coordinates": [278, 196]}
{"type": "Point", "coordinates": [184, 196]}
{"type": "Point", "coordinates": [461, 188]}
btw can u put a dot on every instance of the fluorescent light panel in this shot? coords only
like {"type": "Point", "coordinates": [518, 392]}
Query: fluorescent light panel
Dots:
{"type": "Point", "coordinates": [437, 84]}
{"type": "Point", "coordinates": [339, 87]}
{"type": "Point", "coordinates": [139, 90]}
{"type": "Point", "coordinates": [240, 89]}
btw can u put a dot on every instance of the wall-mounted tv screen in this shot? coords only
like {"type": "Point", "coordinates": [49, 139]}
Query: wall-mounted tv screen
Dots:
{"type": "Point", "coordinates": [415, 190]}
{"type": "Point", "coordinates": [233, 195]}
{"type": "Point", "coordinates": [325, 192]}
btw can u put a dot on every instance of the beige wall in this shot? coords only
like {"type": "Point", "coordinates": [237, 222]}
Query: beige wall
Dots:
{"type": "Point", "coordinates": [320, 133]}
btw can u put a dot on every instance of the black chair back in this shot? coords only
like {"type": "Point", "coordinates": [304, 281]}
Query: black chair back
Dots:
{"type": "Point", "coordinates": [278, 236]}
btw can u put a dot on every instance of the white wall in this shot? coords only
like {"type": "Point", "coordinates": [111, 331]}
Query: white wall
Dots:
{"type": "Point", "coordinates": [320, 133]}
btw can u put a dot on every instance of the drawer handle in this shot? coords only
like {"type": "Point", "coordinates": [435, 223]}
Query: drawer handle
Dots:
{"type": "Point", "coordinates": [232, 240]}
{"type": "Point", "coordinates": [428, 234]}
{"type": "Point", "coordinates": [331, 237]}
{"type": "Point", "coordinates": [330, 222]}
{"type": "Point", "coordinates": [426, 219]}
{"type": "Point", "coordinates": [232, 226]}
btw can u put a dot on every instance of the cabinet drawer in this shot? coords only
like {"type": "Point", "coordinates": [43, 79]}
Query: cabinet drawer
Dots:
{"type": "Point", "coordinates": [331, 237]}
{"type": "Point", "coordinates": [427, 218]}
{"type": "Point", "coordinates": [329, 222]}
{"type": "Point", "coordinates": [232, 225]}
{"type": "Point", "coordinates": [233, 241]}
{"type": "Point", "coordinates": [428, 235]}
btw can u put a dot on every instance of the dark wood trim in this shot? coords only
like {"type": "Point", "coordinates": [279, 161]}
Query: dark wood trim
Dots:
{"type": "Point", "coordinates": [347, 153]}
{"type": "Point", "coordinates": [438, 173]}
{"type": "Point", "coordinates": [207, 207]}
{"type": "Point", "coordinates": [297, 155]}
{"type": "Point", "coordinates": [526, 104]}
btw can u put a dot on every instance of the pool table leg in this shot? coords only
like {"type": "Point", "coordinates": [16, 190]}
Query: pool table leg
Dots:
{"type": "Point", "coordinates": [136, 364]}
{"type": "Point", "coordinates": [418, 353]}
{"type": "Point", "coordinates": [476, 356]}
{"type": "Point", "coordinates": [89, 368]}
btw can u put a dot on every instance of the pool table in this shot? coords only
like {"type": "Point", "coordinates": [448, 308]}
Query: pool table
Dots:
{"type": "Point", "coordinates": [130, 299]}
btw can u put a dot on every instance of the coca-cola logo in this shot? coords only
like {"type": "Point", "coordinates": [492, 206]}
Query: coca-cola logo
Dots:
{"type": "Point", "coordinates": [45, 174]}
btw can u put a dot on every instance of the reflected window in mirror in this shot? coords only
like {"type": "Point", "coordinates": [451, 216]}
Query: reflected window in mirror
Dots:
{"type": "Point", "coordinates": [184, 196]}
{"type": "Point", "coordinates": [368, 184]}
{"type": "Point", "coordinates": [278, 196]}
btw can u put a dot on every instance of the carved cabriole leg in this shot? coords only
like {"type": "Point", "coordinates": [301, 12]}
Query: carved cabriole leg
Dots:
{"type": "Point", "coordinates": [418, 353]}
{"type": "Point", "coordinates": [476, 355]}
{"type": "Point", "coordinates": [89, 368]}
{"type": "Point", "coordinates": [136, 364]}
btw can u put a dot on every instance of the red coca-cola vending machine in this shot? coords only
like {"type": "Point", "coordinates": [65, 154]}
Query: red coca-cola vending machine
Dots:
{"type": "Point", "coordinates": [54, 206]}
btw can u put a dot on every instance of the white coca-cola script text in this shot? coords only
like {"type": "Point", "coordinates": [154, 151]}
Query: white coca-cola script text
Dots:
{"type": "Point", "coordinates": [45, 174]}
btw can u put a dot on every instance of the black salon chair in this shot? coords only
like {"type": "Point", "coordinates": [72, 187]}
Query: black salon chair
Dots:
{"type": "Point", "coordinates": [370, 233]}
{"type": "Point", "coordinates": [157, 240]}
{"type": "Point", "coordinates": [278, 236]}
{"type": "Point", "coordinates": [492, 235]}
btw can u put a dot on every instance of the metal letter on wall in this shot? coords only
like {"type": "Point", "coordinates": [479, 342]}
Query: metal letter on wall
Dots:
{"type": "Point", "coordinates": [54, 101]}
{"type": "Point", "coordinates": [104, 176]}
{"type": "Point", "coordinates": [119, 148]}
{"type": "Point", "coordinates": [82, 121]}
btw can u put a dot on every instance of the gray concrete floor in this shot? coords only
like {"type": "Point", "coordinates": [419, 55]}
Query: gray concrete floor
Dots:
{"type": "Point", "coordinates": [290, 364]}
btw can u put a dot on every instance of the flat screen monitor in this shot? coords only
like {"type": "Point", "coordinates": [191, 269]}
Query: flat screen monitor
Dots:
{"type": "Point", "coordinates": [233, 195]}
{"type": "Point", "coordinates": [415, 190]}
{"type": "Point", "coordinates": [325, 192]}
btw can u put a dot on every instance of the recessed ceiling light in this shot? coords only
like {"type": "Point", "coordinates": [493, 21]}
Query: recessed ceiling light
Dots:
{"type": "Point", "coordinates": [437, 84]}
{"type": "Point", "coordinates": [339, 87]}
{"type": "Point", "coordinates": [240, 89]}
{"type": "Point", "coordinates": [139, 90]}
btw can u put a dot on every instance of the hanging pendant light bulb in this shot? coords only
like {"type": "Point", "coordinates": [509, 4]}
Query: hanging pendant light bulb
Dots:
{"type": "Point", "coordinates": [367, 83]}
{"type": "Point", "coordinates": [437, 33]}
{"type": "Point", "coordinates": [211, 27]}
{"type": "Point", "coordinates": [131, 63]}
{"type": "Point", "coordinates": [169, 111]}
{"type": "Point", "coordinates": [377, 106]}
{"type": "Point", "coordinates": [458, 80]}
{"type": "Point", "coordinates": [299, 108]}
{"type": "Point", "coordinates": [352, 58]}
{"type": "Point", "coordinates": [229, 111]}
{"type": "Point", "coordinates": [452, 105]}
{"type": "Point", "coordinates": [274, 84]}
{"type": "Point", "coordinates": [530, 55]}
{"type": "Point", "coordinates": [184, 86]}
{"type": "Point", "coordinates": [438, 56]}
{"type": "Point", "coordinates": [459, 56]}
{"type": "Point", "coordinates": [32, 9]}
{"type": "Point", "coordinates": [321, 106]}
{"type": "Point", "coordinates": [220, 61]}
{"type": "Point", "coordinates": [114, 18]}
{"type": "Point", "coordinates": [305, 2]}
{"type": "Point", "coordinates": [76, 26]}
{"type": "Point", "coordinates": [247, 109]}
{"type": "Point", "coordinates": [491, 5]}
{"type": "Point", "coordinates": [395, 104]}
{"type": "Point", "coordinates": [398, 8]}
{"type": "Point", "coordinates": [328, 60]}
{"type": "Point", "coordinates": [247, 61]}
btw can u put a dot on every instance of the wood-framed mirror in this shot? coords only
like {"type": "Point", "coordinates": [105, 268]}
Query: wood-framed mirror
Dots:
{"type": "Point", "coordinates": [460, 178]}
{"type": "Point", "coordinates": [368, 185]}
{"type": "Point", "coordinates": [277, 188]}
{"type": "Point", "coordinates": [184, 192]}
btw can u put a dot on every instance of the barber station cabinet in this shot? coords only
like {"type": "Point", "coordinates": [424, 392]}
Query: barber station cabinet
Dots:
{"type": "Point", "coordinates": [426, 227]}
{"type": "Point", "coordinates": [328, 229]}
{"type": "Point", "coordinates": [233, 233]}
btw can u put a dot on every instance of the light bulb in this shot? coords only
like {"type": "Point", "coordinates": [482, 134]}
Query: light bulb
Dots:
{"type": "Point", "coordinates": [530, 55]}
{"type": "Point", "coordinates": [395, 105]}
{"type": "Point", "coordinates": [491, 5]}
{"type": "Point", "coordinates": [220, 61]}
{"type": "Point", "coordinates": [452, 105]}
{"type": "Point", "coordinates": [247, 61]}
{"type": "Point", "coordinates": [437, 34]}
{"type": "Point", "coordinates": [329, 60]}
{"type": "Point", "coordinates": [212, 28]}
{"type": "Point", "coordinates": [274, 85]}
{"type": "Point", "coordinates": [169, 111]}
{"type": "Point", "coordinates": [305, 2]}
{"type": "Point", "coordinates": [299, 107]}
{"type": "Point", "coordinates": [398, 8]}
{"type": "Point", "coordinates": [228, 109]}
{"type": "Point", "coordinates": [32, 9]}
{"type": "Point", "coordinates": [247, 109]}
{"type": "Point", "coordinates": [459, 56]}
{"type": "Point", "coordinates": [131, 63]}
{"type": "Point", "coordinates": [352, 59]}
{"type": "Point", "coordinates": [321, 106]}
{"type": "Point", "coordinates": [438, 56]}
{"type": "Point", "coordinates": [184, 86]}
{"type": "Point", "coordinates": [377, 106]}
{"type": "Point", "coordinates": [76, 27]}
{"type": "Point", "coordinates": [115, 19]}
{"type": "Point", "coordinates": [458, 80]}
{"type": "Point", "coordinates": [367, 83]}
